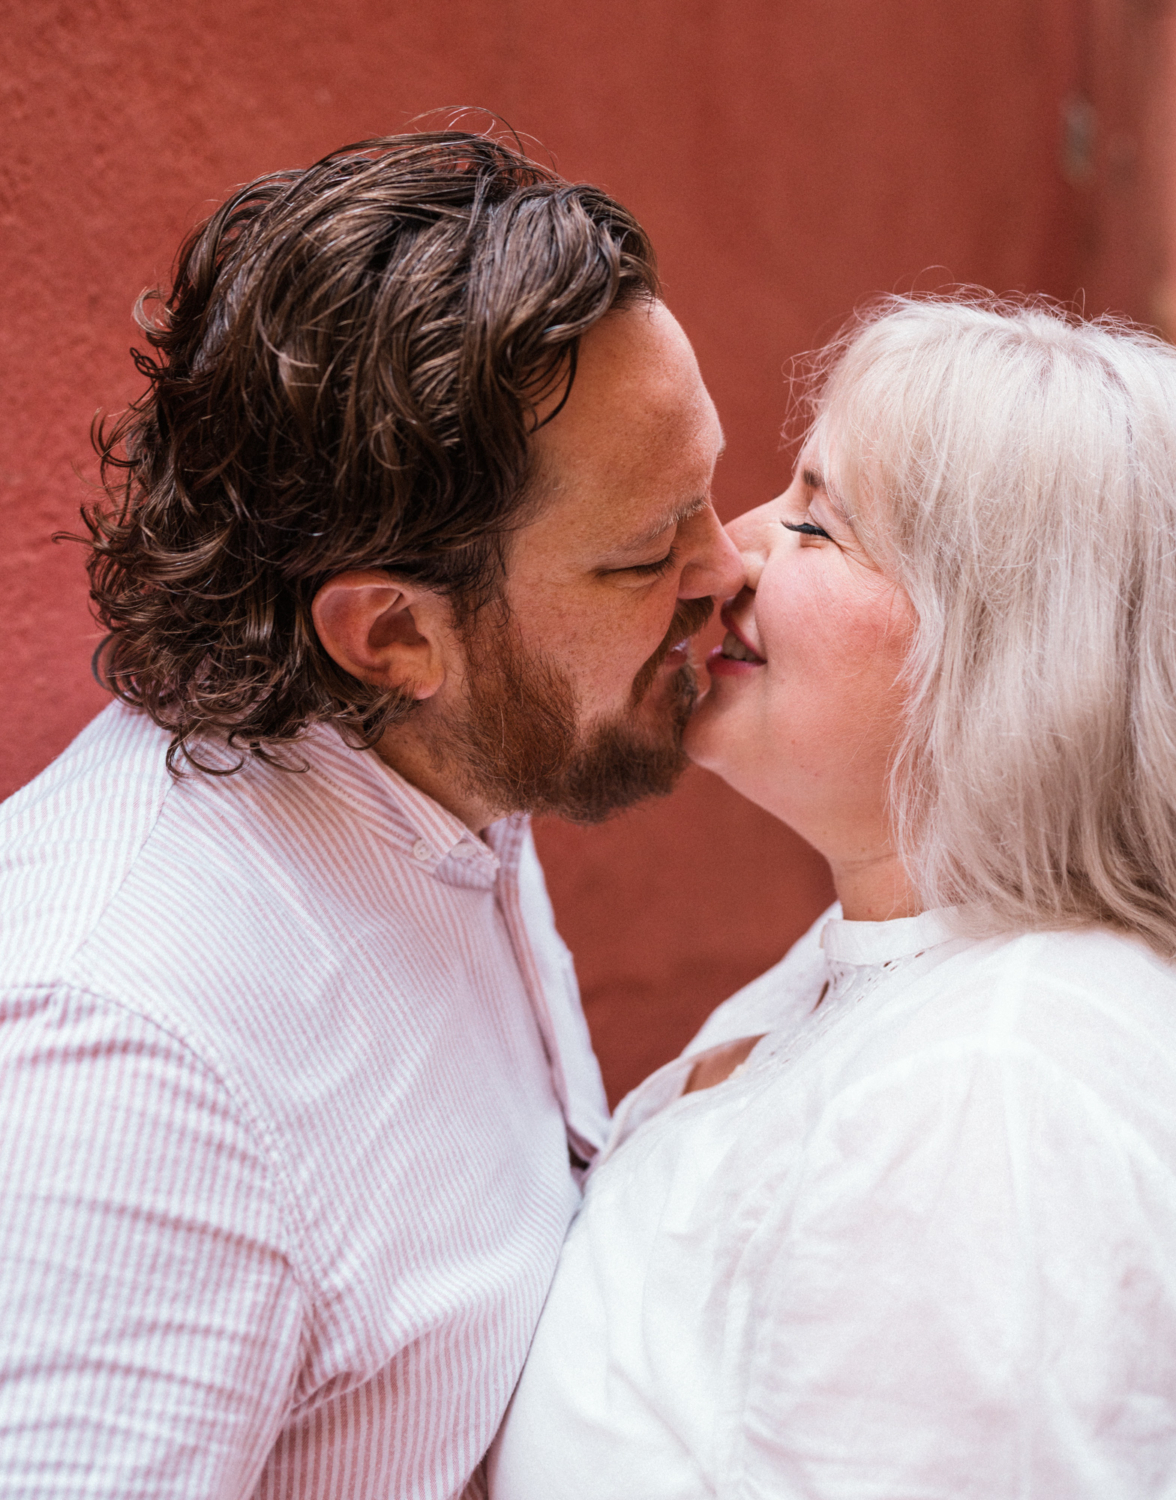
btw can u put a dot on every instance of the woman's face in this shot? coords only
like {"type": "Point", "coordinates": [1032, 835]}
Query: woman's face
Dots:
{"type": "Point", "coordinates": [804, 706]}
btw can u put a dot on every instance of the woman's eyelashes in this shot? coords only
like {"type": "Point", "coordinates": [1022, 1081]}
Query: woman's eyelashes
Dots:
{"type": "Point", "coordinates": [806, 528]}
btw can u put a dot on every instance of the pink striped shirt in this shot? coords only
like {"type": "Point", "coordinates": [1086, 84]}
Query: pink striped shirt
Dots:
{"type": "Point", "coordinates": [289, 1066]}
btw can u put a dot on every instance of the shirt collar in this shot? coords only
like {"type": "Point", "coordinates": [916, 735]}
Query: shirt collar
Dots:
{"type": "Point", "coordinates": [430, 835]}
{"type": "Point", "coordinates": [883, 942]}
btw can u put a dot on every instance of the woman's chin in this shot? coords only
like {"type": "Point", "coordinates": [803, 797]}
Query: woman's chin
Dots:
{"type": "Point", "coordinates": [707, 740]}
{"type": "Point", "coordinates": [718, 742]}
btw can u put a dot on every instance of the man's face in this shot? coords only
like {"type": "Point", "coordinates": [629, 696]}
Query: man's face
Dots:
{"type": "Point", "coordinates": [578, 688]}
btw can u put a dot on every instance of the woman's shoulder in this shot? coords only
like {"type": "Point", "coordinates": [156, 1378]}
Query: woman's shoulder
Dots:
{"type": "Point", "coordinates": [975, 1227]}
{"type": "Point", "coordinates": [1095, 1009]}
{"type": "Point", "coordinates": [1076, 1030]}
{"type": "Point", "coordinates": [1088, 955]}
{"type": "Point", "coordinates": [1051, 987]}
{"type": "Point", "coordinates": [1064, 1025]}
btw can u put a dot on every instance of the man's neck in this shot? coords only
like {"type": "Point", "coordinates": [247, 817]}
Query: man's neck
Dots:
{"type": "Point", "coordinates": [410, 756]}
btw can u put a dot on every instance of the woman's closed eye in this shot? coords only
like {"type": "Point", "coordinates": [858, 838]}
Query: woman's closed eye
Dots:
{"type": "Point", "coordinates": [806, 528]}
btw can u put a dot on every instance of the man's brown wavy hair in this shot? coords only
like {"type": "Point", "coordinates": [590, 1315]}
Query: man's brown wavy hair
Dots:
{"type": "Point", "coordinates": [346, 375]}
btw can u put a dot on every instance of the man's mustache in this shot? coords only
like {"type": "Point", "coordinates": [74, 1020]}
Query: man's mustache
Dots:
{"type": "Point", "coordinates": [689, 618]}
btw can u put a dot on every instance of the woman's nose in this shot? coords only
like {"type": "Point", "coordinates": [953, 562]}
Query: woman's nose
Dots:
{"type": "Point", "coordinates": [750, 534]}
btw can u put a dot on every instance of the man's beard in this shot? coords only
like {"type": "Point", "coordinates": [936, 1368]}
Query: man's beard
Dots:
{"type": "Point", "coordinates": [519, 748]}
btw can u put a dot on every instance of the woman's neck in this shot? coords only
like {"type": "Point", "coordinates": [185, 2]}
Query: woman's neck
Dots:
{"type": "Point", "coordinates": [874, 888]}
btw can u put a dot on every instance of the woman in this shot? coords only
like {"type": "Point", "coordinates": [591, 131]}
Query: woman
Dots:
{"type": "Point", "coordinates": [918, 1237]}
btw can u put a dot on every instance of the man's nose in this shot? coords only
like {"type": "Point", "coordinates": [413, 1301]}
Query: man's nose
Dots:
{"type": "Point", "coordinates": [716, 567]}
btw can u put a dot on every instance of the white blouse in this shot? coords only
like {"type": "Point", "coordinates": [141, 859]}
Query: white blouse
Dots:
{"type": "Point", "coordinates": [921, 1246]}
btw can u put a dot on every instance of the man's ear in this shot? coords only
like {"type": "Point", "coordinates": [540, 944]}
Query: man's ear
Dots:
{"type": "Point", "coordinates": [384, 631]}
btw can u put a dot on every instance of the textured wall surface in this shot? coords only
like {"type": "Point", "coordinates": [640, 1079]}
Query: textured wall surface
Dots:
{"type": "Point", "coordinates": [788, 156]}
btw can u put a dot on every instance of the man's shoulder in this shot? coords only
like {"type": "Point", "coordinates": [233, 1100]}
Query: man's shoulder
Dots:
{"type": "Point", "coordinates": [218, 904]}
{"type": "Point", "coordinates": [107, 842]}
{"type": "Point", "coordinates": [68, 839]}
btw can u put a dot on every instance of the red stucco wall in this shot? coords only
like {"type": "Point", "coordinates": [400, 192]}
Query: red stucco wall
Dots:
{"type": "Point", "coordinates": [789, 157]}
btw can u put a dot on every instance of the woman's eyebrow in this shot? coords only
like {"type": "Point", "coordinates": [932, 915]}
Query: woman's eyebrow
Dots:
{"type": "Point", "coordinates": [815, 480]}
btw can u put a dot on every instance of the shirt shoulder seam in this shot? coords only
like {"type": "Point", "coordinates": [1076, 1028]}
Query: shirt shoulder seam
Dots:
{"type": "Point", "coordinates": [249, 1117]}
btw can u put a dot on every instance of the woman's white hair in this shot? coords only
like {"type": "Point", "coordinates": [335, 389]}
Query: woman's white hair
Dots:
{"type": "Point", "coordinates": [1015, 470]}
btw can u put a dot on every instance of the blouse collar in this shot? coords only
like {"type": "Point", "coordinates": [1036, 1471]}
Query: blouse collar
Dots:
{"type": "Point", "coordinates": [883, 942]}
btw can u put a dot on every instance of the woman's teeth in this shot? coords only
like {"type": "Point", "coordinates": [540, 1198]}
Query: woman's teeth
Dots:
{"type": "Point", "coordinates": [734, 648]}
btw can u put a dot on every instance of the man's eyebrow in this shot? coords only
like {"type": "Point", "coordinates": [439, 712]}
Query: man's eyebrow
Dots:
{"type": "Point", "coordinates": [675, 518]}
{"type": "Point", "coordinates": [683, 512]}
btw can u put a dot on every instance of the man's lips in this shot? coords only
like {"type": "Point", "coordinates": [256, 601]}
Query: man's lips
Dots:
{"type": "Point", "coordinates": [674, 652]}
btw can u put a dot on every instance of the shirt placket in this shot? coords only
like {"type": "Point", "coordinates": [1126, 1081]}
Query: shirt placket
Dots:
{"type": "Point", "coordinates": [509, 848]}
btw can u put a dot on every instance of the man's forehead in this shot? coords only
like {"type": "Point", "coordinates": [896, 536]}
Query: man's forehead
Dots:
{"type": "Point", "coordinates": [611, 476]}
{"type": "Point", "coordinates": [635, 381]}
{"type": "Point", "coordinates": [642, 518]}
{"type": "Point", "coordinates": [641, 490]}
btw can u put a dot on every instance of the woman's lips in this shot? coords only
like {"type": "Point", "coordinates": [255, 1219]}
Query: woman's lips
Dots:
{"type": "Point", "coordinates": [736, 656]}
{"type": "Point", "coordinates": [737, 648]}
{"type": "Point", "coordinates": [726, 614]}
{"type": "Point", "coordinates": [719, 665]}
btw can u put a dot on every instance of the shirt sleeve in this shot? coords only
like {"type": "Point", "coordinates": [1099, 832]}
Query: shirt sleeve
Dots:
{"type": "Point", "coordinates": [151, 1321]}
{"type": "Point", "coordinates": [971, 1293]}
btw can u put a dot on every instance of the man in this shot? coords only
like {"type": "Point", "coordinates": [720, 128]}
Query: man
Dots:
{"type": "Point", "coordinates": [294, 1083]}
